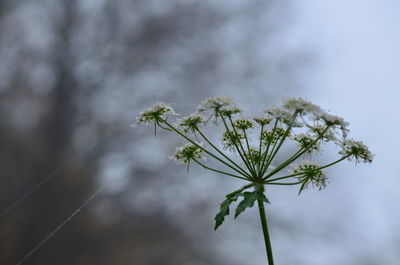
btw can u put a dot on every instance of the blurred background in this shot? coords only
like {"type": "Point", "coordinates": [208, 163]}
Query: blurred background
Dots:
{"type": "Point", "coordinates": [74, 74]}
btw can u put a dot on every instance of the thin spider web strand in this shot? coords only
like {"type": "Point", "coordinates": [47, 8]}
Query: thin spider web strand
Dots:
{"type": "Point", "coordinates": [49, 177]}
{"type": "Point", "coordinates": [5, 212]}
{"type": "Point", "coordinates": [58, 228]}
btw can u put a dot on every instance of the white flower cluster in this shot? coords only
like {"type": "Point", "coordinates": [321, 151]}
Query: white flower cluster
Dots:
{"type": "Point", "coordinates": [243, 124]}
{"type": "Point", "coordinates": [155, 113]}
{"type": "Point", "coordinates": [298, 120]}
{"type": "Point", "coordinates": [216, 103]}
{"type": "Point", "coordinates": [356, 150]}
{"type": "Point", "coordinates": [309, 173]}
{"type": "Point", "coordinates": [301, 106]}
{"type": "Point", "coordinates": [275, 112]}
{"type": "Point", "coordinates": [191, 122]}
{"type": "Point", "coordinates": [231, 139]}
{"type": "Point", "coordinates": [320, 131]}
{"type": "Point", "coordinates": [272, 136]}
{"type": "Point", "coordinates": [319, 117]}
{"type": "Point", "coordinates": [262, 120]}
{"type": "Point", "coordinates": [220, 107]}
{"type": "Point", "coordinates": [307, 142]}
{"type": "Point", "coordinates": [334, 122]}
{"type": "Point", "coordinates": [184, 154]}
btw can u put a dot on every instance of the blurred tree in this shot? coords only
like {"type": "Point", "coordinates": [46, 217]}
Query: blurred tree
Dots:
{"type": "Point", "coordinates": [73, 72]}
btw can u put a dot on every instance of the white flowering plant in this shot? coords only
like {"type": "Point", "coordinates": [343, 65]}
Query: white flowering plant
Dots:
{"type": "Point", "coordinates": [298, 120]}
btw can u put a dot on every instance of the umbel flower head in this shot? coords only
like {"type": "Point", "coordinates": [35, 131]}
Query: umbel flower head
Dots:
{"type": "Point", "coordinates": [302, 106]}
{"type": "Point", "coordinates": [156, 113]}
{"type": "Point", "coordinates": [310, 173]}
{"type": "Point", "coordinates": [216, 103]}
{"type": "Point", "coordinates": [188, 152]}
{"type": "Point", "coordinates": [249, 149]}
{"type": "Point", "coordinates": [277, 113]}
{"type": "Point", "coordinates": [262, 120]}
{"type": "Point", "coordinates": [335, 122]}
{"type": "Point", "coordinates": [191, 123]}
{"type": "Point", "coordinates": [243, 124]}
{"type": "Point", "coordinates": [219, 107]}
{"type": "Point", "coordinates": [357, 150]}
{"type": "Point", "coordinates": [306, 141]}
{"type": "Point", "coordinates": [231, 139]}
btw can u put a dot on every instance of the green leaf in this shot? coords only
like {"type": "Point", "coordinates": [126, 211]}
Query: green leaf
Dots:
{"type": "Point", "coordinates": [224, 208]}
{"type": "Point", "coordinates": [248, 201]}
{"type": "Point", "coordinates": [220, 217]}
{"type": "Point", "coordinates": [261, 197]}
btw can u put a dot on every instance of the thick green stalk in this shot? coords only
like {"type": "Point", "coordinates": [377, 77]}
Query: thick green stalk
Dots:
{"type": "Point", "coordinates": [264, 224]}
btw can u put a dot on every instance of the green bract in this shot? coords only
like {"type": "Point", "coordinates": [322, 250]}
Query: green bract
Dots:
{"type": "Point", "coordinates": [255, 146]}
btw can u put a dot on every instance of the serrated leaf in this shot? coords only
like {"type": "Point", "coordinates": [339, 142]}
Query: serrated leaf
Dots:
{"type": "Point", "coordinates": [248, 201]}
{"type": "Point", "coordinates": [220, 217]}
{"type": "Point", "coordinates": [224, 208]}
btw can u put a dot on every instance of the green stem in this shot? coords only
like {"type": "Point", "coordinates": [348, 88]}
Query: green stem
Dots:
{"type": "Point", "coordinates": [242, 156]}
{"type": "Point", "coordinates": [275, 151]}
{"type": "Point", "coordinates": [283, 183]}
{"type": "Point", "coordinates": [246, 159]}
{"type": "Point", "coordinates": [202, 148]}
{"type": "Point", "coordinates": [218, 171]}
{"type": "Point", "coordinates": [219, 151]}
{"type": "Point", "coordinates": [301, 173]}
{"type": "Point", "coordinates": [259, 150]}
{"type": "Point", "coordinates": [295, 156]}
{"type": "Point", "coordinates": [250, 164]}
{"type": "Point", "coordinates": [264, 224]}
{"type": "Point", "coordinates": [234, 130]}
{"type": "Point", "coordinates": [267, 149]}
{"type": "Point", "coordinates": [269, 160]}
{"type": "Point", "coordinates": [248, 151]}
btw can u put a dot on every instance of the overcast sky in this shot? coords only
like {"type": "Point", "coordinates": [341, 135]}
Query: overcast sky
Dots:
{"type": "Point", "coordinates": [357, 76]}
